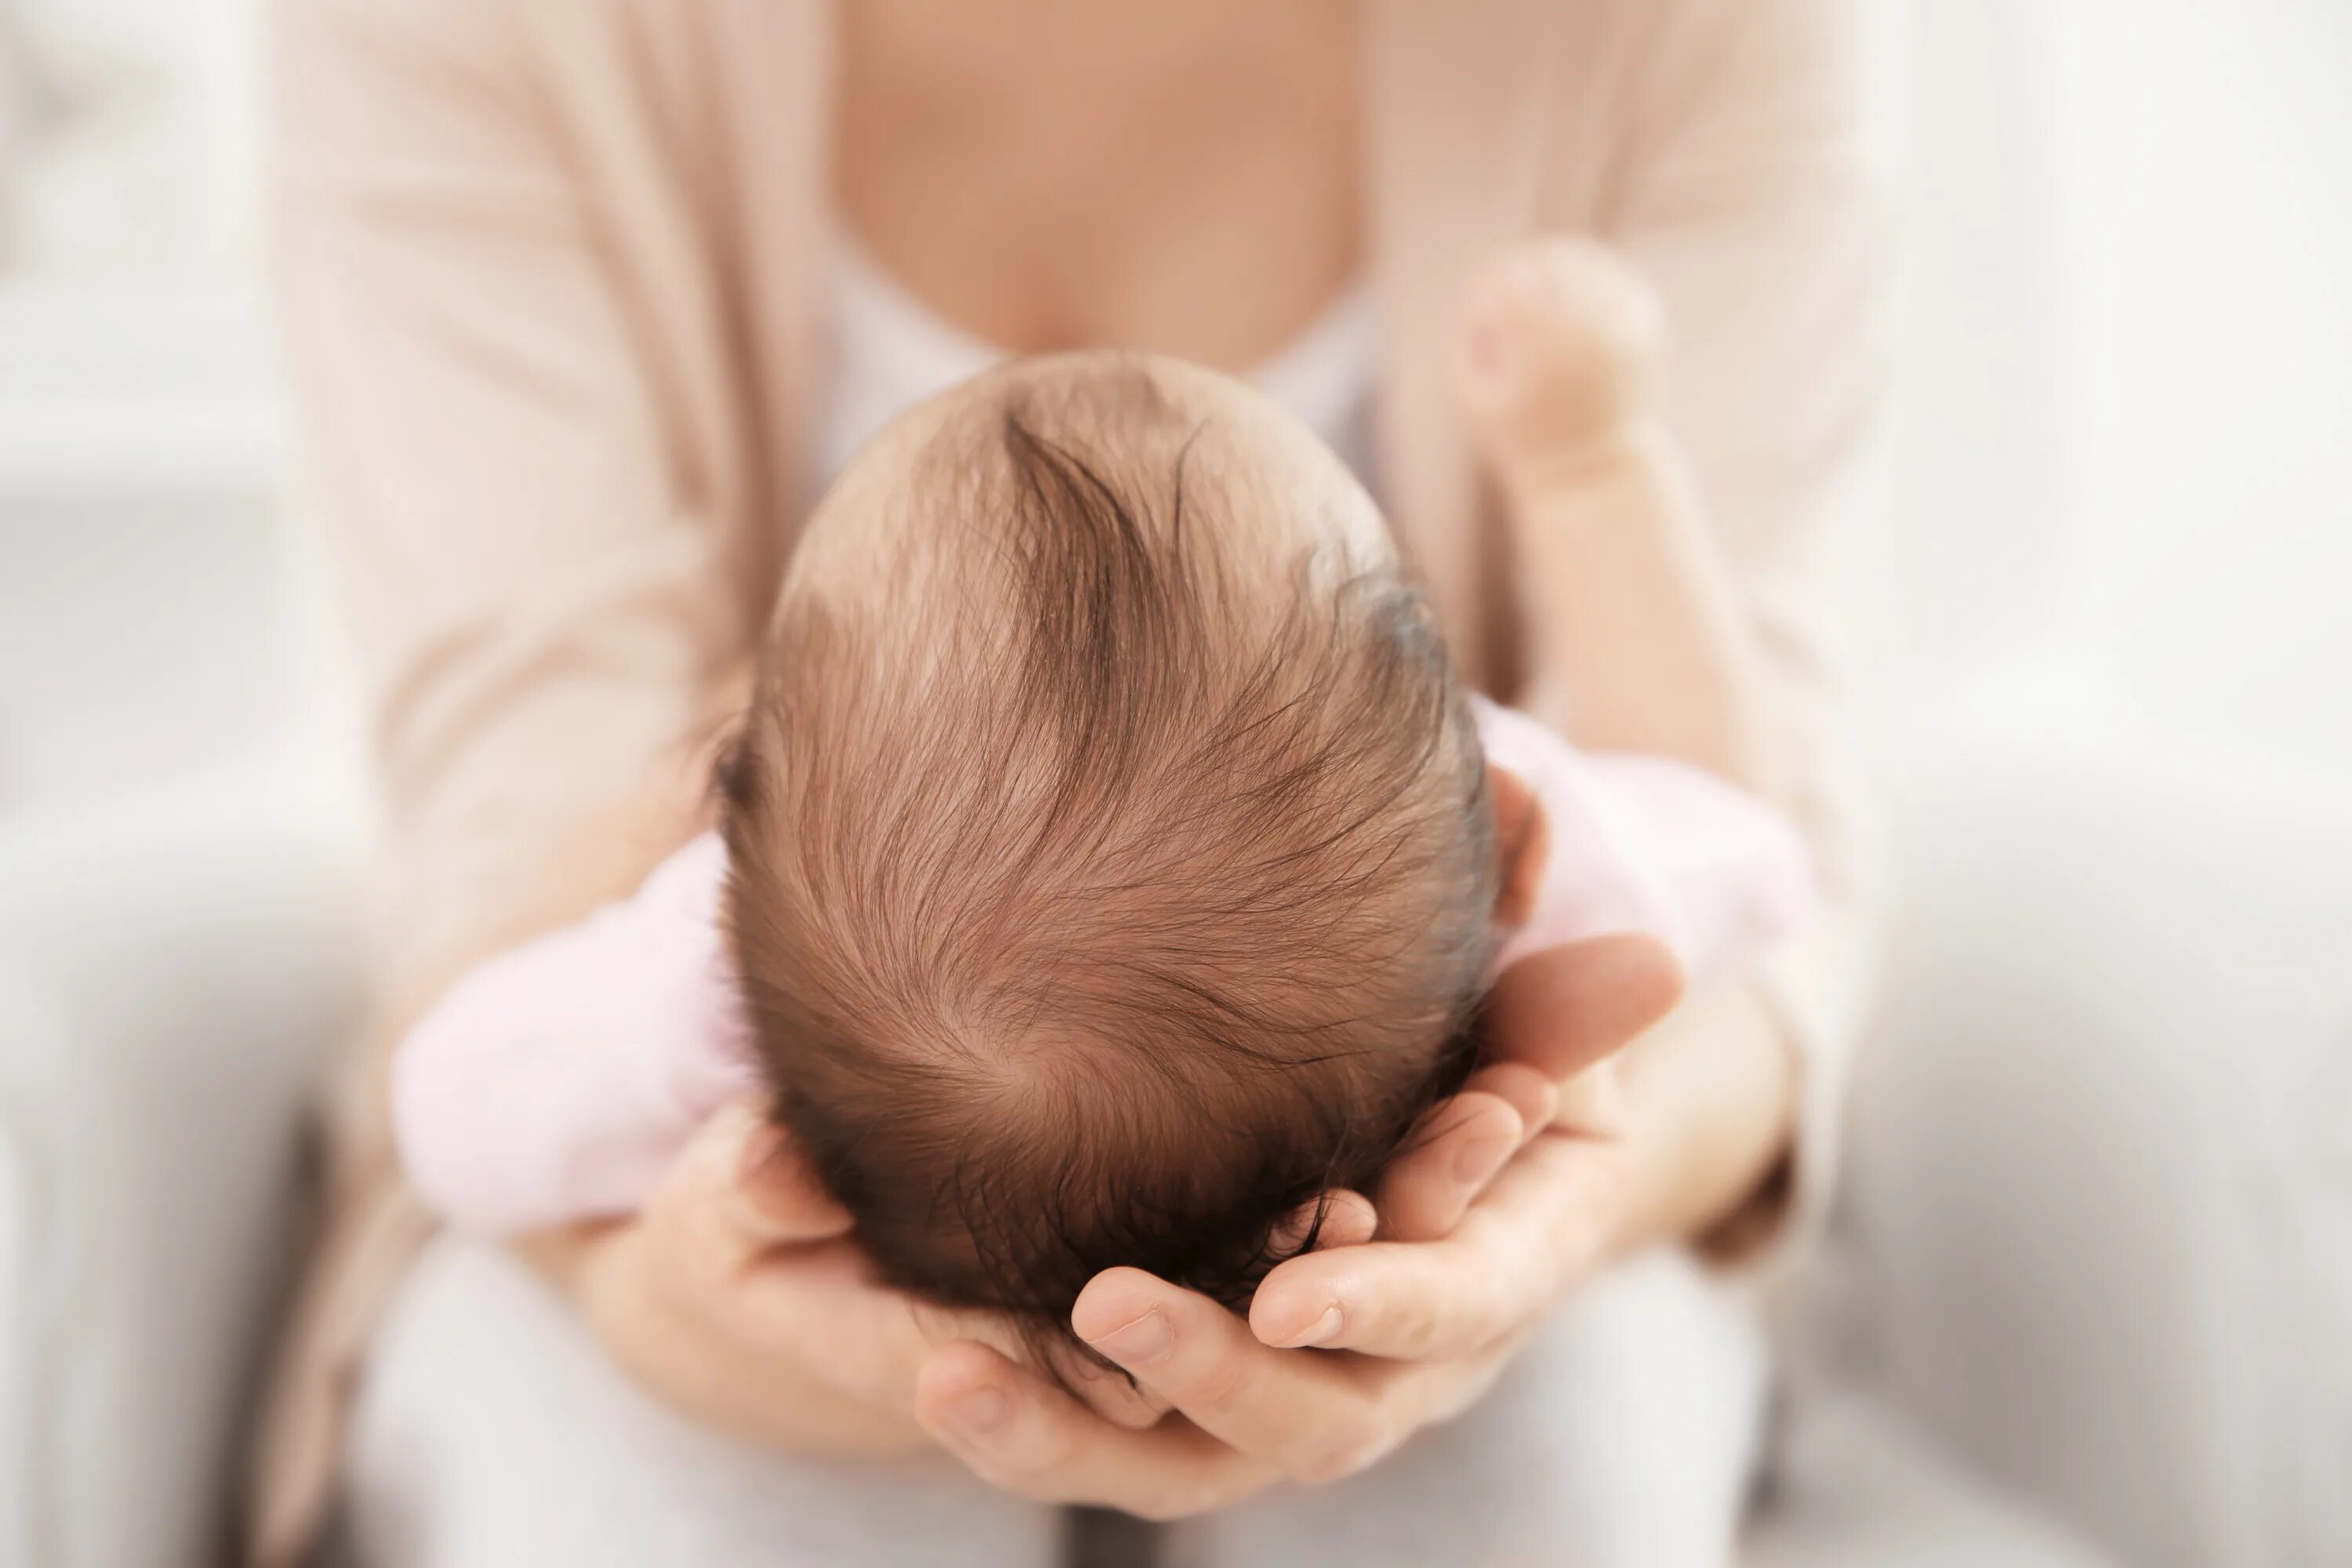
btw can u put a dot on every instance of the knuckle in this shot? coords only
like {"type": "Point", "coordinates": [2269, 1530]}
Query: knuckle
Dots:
{"type": "Point", "coordinates": [1412, 1212]}
{"type": "Point", "coordinates": [1484, 1318]}
{"type": "Point", "coordinates": [1413, 1330]}
{"type": "Point", "coordinates": [1026, 1459]}
{"type": "Point", "coordinates": [1346, 1448]}
{"type": "Point", "coordinates": [1504, 1288]}
{"type": "Point", "coordinates": [1219, 1382]}
{"type": "Point", "coordinates": [1044, 1451]}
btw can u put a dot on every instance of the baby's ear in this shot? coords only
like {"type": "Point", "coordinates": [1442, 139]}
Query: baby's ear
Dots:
{"type": "Point", "coordinates": [732, 785]}
{"type": "Point", "coordinates": [1520, 845]}
{"type": "Point", "coordinates": [780, 1190]}
{"type": "Point", "coordinates": [722, 758]}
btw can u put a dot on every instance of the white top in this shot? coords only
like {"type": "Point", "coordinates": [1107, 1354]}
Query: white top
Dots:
{"type": "Point", "coordinates": [890, 351]}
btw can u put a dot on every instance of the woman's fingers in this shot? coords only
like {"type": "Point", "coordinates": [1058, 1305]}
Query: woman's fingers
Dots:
{"type": "Point", "coordinates": [1337, 1218]}
{"type": "Point", "coordinates": [1531, 1093]}
{"type": "Point", "coordinates": [777, 1197]}
{"type": "Point", "coordinates": [1314, 1418]}
{"type": "Point", "coordinates": [1107, 1392]}
{"type": "Point", "coordinates": [1446, 1163]}
{"type": "Point", "coordinates": [1507, 1260]}
{"type": "Point", "coordinates": [739, 1187]}
{"type": "Point", "coordinates": [1348, 1220]}
{"type": "Point", "coordinates": [1406, 1301]}
{"type": "Point", "coordinates": [1561, 1009]}
{"type": "Point", "coordinates": [700, 1235]}
{"type": "Point", "coordinates": [873, 1342]}
{"type": "Point", "coordinates": [1120, 1402]}
{"type": "Point", "coordinates": [1019, 1435]}
{"type": "Point", "coordinates": [1464, 1145]}
{"type": "Point", "coordinates": [1592, 1103]}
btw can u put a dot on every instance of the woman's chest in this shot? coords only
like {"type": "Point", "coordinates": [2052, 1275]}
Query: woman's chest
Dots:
{"type": "Point", "coordinates": [1166, 178]}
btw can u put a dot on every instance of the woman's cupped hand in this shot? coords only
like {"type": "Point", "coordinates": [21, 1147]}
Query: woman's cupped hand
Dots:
{"type": "Point", "coordinates": [738, 1297]}
{"type": "Point", "coordinates": [1403, 1317]}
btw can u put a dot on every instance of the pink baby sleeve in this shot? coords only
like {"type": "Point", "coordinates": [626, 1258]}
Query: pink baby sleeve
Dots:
{"type": "Point", "coordinates": [1641, 844]}
{"type": "Point", "coordinates": [557, 1081]}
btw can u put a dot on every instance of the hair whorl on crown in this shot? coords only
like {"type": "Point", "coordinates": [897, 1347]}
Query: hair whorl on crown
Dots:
{"type": "Point", "coordinates": [1102, 894]}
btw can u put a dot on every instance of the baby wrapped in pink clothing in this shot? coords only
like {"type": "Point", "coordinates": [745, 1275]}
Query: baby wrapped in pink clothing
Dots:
{"type": "Point", "coordinates": [1110, 859]}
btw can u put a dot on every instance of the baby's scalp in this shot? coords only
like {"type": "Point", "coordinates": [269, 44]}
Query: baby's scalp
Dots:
{"type": "Point", "coordinates": [1112, 853]}
{"type": "Point", "coordinates": [884, 508]}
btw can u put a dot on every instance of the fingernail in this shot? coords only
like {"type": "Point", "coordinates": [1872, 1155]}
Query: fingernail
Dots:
{"type": "Point", "coordinates": [1322, 1331]}
{"type": "Point", "coordinates": [1139, 1343]}
{"type": "Point", "coordinates": [980, 1412]}
{"type": "Point", "coordinates": [1474, 1164]}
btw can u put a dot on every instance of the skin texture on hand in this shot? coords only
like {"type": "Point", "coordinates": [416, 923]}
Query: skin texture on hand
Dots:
{"type": "Point", "coordinates": [689, 1296]}
{"type": "Point", "coordinates": [1610, 1116]}
{"type": "Point", "coordinates": [1509, 1199]}
{"type": "Point", "coordinates": [737, 1297]}
{"type": "Point", "coordinates": [1411, 1332]}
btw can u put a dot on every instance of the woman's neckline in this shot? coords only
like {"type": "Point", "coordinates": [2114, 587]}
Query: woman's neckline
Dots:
{"type": "Point", "coordinates": [1331, 352]}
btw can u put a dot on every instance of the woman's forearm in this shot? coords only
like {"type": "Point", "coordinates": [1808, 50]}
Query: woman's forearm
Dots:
{"type": "Point", "coordinates": [1710, 1099]}
{"type": "Point", "coordinates": [1639, 641]}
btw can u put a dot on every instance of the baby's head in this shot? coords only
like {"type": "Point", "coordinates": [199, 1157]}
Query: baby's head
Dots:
{"type": "Point", "coordinates": [1111, 854]}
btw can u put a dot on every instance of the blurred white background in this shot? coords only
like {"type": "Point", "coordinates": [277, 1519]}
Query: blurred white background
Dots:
{"type": "Point", "coordinates": [2106, 655]}
{"type": "Point", "coordinates": [2124, 449]}
{"type": "Point", "coordinates": [142, 545]}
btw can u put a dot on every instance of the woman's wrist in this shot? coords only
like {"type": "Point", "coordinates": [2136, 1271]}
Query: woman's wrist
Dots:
{"type": "Point", "coordinates": [1709, 1110]}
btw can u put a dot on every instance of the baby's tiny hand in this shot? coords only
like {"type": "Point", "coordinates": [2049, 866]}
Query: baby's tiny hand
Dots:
{"type": "Point", "coordinates": [1560, 352]}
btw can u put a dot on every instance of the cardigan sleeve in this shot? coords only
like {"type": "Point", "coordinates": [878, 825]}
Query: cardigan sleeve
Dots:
{"type": "Point", "coordinates": [538, 593]}
{"type": "Point", "coordinates": [1747, 186]}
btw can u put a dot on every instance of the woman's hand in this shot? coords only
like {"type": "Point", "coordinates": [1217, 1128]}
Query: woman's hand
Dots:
{"type": "Point", "coordinates": [737, 1298]}
{"type": "Point", "coordinates": [1508, 1201]}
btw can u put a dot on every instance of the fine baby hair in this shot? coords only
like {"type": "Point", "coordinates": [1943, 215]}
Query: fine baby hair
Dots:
{"type": "Point", "coordinates": [1111, 869]}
